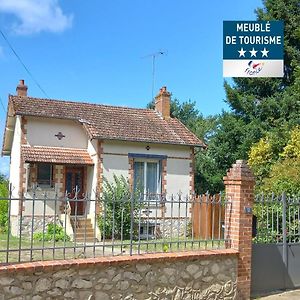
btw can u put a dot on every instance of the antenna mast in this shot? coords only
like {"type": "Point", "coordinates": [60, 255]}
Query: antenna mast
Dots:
{"type": "Point", "coordinates": [154, 55]}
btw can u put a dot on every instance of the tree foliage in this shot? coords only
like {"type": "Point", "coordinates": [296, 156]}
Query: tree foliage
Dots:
{"type": "Point", "coordinates": [277, 170]}
{"type": "Point", "coordinates": [3, 203]}
{"type": "Point", "coordinates": [262, 113]}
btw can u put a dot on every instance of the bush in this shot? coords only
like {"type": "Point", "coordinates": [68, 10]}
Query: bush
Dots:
{"type": "Point", "coordinates": [52, 229]}
{"type": "Point", "coordinates": [115, 218]}
{"type": "Point", "coordinates": [3, 204]}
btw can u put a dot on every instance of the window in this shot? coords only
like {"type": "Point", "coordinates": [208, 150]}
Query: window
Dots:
{"type": "Point", "coordinates": [147, 177]}
{"type": "Point", "coordinates": [45, 175]}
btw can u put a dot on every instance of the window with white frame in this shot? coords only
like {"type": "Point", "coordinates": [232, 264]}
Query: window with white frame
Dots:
{"type": "Point", "coordinates": [147, 176]}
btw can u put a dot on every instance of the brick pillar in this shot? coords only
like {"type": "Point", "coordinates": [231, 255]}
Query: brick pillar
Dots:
{"type": "Point", "coordinates": [239, 185]}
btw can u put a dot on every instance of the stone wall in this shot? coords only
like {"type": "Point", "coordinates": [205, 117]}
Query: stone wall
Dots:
{"type": "Point", "coordinates": [200, 275]}
{"type": "Point", "coordinates": [39, 223]}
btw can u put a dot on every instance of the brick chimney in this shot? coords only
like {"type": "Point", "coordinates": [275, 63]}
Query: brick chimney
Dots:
{"type": "Point", "coordinates": [162, 102]}
{"type": "Point", "coordinates": [22, 89]}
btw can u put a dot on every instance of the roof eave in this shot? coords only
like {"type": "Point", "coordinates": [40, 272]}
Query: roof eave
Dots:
{"type": "Point", "coordinates": [148, 141]}
{"type": "Point", "coordinates": [9, 130]}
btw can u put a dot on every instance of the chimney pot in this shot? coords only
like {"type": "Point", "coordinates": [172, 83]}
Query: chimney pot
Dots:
{"type": "Point", "coordinates": [22, 89]}
{"type": "Point", "coordinates": [162, 102]}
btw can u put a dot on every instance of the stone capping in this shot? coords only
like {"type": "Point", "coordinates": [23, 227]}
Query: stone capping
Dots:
{"type": "Point", "coordinates": [239, 172]}
{"type": "Point", "coordinates": [115, 260]}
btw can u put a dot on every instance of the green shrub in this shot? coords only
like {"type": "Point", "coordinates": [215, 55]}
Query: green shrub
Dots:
{"type": "Point", "coordinates": [3, 204]}
{"type": "Point", "coordinates": [115, 218]}
{"type": "Point", "coordinates": [53, 230]}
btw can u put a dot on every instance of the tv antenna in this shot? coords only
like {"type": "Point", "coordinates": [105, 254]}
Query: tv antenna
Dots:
{"type": "Point", "coordinates": [154, 55]}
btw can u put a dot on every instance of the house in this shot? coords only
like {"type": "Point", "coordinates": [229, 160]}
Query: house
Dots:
{"type": "Point", "coordinates": [57, 146]}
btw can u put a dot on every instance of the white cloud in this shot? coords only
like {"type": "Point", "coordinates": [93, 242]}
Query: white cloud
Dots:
{"type": "Point", "coordinates": [34, 16]}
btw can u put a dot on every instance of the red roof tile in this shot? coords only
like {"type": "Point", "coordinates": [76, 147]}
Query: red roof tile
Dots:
{"type": "Point", "coordinates": [55, 155]}
{"type": "Point", "coordinates": [110, 122]}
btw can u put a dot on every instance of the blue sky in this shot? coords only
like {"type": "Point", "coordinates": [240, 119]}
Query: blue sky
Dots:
{"type": "Point", "coordinates": [93, 50]}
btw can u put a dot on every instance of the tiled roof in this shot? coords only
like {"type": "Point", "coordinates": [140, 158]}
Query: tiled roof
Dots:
{"type": "Point", "coordinates": [55, 155]}
{"type": "Point", "coordinates": [110, 122]}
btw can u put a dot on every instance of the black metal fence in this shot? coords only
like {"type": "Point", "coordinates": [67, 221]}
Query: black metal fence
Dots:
{"type": "Point", "coordinates": [40, 227]}
{"type": "Point", "coordinates": [276, 219]}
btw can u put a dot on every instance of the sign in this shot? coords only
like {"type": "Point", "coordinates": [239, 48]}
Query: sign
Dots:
{"type": "Point", "coordinates": [253, 49]}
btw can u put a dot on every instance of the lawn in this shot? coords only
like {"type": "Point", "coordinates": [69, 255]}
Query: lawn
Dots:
{"type": "Point", "coordinates": [24, 250]}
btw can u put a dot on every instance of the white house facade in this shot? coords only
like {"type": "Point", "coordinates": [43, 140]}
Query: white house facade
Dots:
{"type": "Point", "coordinates": [61, 147]}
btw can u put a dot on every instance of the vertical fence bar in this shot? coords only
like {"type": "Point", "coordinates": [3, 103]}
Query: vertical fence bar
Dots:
{"type": "Point", "coordinates": [84, 206]}
{"type": "Point", "coordinates": [8, 222]}
{"type": "Point", "coordinates": [178, 220]}
{"type": "Point", "coordinates": [192, 205]}
{"type": "Point", "coordinates": [186, 223]}
{"type": "Point", "coordinates": [32, 228]}
{"type": "Point", "coordinates": [171, 235]}
{"type": "Point", "coordinates": [104, 223]}
{"type": "Point", "coordinates": [54, 226]}
{"type": "Point", "coordinates": [157, 203]}
{"type": "Point", "coordinates": [113, 223]}
{"type": "Point", "coordinates": [220, 218]}
{"type": "Point", "coordinates": [140, 206]}
{"type": "Point", "coordinates": [65, 227]}
{"type": "Point", "coordinates": [131, 222]}
{"type": "Point", "coordinates": [95, 224]}
{"type": "Point", "coordinates": [43, 234]}
{"type": "Point", "coordinates": [284, 230]}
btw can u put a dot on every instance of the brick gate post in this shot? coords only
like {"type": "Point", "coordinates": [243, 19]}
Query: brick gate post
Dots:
{"type": "Point", "coordinates": [239, 188]}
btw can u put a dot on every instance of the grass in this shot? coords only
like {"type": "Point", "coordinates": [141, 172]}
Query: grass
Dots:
{"type": "Point", "coordinates": [32, 251]}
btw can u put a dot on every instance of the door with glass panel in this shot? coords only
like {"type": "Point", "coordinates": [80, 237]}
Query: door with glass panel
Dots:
{"type": "Point", "coordinates": [74, 188]}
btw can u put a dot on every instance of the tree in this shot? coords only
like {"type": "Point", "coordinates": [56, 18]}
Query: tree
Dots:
{"type": "Point", "coordinates": [277, 166]}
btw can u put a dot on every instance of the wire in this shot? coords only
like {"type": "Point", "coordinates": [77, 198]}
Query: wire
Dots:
{"type": "Point", "coordinates": [23, 64]}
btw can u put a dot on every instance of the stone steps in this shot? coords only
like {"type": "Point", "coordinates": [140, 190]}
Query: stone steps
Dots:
{"type": "Point", "coordinates": [83, 230]}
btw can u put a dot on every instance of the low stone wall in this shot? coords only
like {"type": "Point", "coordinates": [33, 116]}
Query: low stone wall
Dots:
{"type": "Point", "coordinates": [39, 222]}
{"type": "Point", "coordinates": [201, 275]}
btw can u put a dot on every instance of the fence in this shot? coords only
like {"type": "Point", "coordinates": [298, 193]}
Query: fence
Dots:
{"type": "Point", "coordinates": [276, 249]}
{"type": "Point", "coordinates": [218, 274]}
{"type": "Point", "coordinates": [276, 219]}
{"type": "Point", "coordinates": [42, 228]}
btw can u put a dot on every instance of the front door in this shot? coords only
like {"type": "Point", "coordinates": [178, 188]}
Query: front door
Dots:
{"type": "Point", "coordinates": [74, 188]}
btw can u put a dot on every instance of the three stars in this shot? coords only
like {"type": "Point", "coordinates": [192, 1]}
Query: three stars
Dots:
{"type": "Point", "coordinates": [253, 52]}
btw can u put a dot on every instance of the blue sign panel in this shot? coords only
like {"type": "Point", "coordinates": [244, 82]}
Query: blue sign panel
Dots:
{"type": "Point", "coordinates": [253, 48]}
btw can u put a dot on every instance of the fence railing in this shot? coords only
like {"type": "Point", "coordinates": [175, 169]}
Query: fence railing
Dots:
{"type": "Point", "coordinates": [276, 219]}
{"type": "Point", "coordinates": [38, 227]}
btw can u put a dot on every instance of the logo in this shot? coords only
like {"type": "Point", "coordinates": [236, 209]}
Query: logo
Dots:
{"type": "Point", "coordinates": [253, 68]}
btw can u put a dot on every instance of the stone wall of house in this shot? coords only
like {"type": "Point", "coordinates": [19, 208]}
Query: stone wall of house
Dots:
{"type": "Point", "coordinates": [158, 276]}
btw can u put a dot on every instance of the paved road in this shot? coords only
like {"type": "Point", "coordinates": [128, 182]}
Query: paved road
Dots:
{"type": "Point", "coordinates": [291, 295]}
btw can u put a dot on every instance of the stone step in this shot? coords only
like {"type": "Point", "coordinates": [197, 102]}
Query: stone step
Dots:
{"type": "Point", "coordinates": [82, 231]}
{"type": "Point", "coordinates": [87, 240]}
{"type": "Point", "coordinates": [81, 235]}
{"type": "Point", "coordinates": [84, 227]}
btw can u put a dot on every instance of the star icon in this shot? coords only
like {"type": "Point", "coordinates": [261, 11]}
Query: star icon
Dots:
{"type": "Point", "coordinates": [264, 52]}
{"type": "Point", "coordinates": [242, 52]}
{"type": "Point", "coordinates": [253, 52]}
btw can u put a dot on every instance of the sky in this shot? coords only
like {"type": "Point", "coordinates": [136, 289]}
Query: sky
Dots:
{"type": "Point", "coordinates": [100, 51]}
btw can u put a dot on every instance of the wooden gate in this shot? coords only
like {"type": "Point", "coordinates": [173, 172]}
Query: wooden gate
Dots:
{"type": "Point", "coordinates": [208, 214]}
